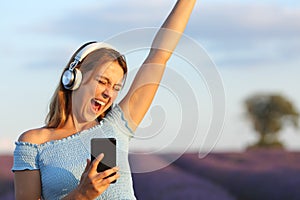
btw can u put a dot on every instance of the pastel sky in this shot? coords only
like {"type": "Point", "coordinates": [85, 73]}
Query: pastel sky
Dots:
{"type": "Point", "coordinates": [254, 46]}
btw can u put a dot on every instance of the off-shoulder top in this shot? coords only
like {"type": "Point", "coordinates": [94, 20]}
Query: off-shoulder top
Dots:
{"type": "Point", "coordinates": [62, 162]}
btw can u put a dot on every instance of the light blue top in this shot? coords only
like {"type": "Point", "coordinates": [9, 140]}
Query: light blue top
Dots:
{"type": "Point", "coordinates": [61, 162]}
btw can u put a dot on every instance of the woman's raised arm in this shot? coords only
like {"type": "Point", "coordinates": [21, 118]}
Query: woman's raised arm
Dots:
{"type": "Point", "coordinates": [145, 84]}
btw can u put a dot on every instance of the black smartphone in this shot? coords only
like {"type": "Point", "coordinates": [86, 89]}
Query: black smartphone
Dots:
{"type": "Point", "coordinates": [107, 146]}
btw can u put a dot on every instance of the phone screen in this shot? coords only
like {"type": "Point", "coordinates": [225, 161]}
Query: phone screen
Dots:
{"type": "Point", "coordinates": [108, 147]}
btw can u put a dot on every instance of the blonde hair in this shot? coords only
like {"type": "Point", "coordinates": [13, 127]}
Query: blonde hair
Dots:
{"type": "Point", "coordinates": [61, 103]}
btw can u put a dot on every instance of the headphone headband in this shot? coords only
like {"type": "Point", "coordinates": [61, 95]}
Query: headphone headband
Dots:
{"type": "Point", "coordinates": [90, 48]}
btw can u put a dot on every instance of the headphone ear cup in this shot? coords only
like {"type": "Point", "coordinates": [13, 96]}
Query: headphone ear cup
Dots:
{"type": "Point", "coordinates": [77, 79]}
{"type": "Point", "coordinates": [67, 78]}
{"type": "Point", "coordinates": [71, 79]}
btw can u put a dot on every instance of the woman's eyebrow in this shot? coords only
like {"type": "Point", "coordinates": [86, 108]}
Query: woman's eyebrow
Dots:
{"type": "Point", "coordinates": [104, 77]}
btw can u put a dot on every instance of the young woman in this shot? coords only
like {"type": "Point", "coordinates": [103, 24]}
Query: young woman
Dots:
{"type": "Point", "coordinates": [52, 162]}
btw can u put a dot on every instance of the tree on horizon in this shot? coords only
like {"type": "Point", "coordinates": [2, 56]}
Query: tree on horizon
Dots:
{"type": "Point", "coordinates": [269, 113]}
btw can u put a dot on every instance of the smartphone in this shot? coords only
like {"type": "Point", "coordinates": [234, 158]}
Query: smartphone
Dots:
{"type": "Point", "coordinates": [107, 146]}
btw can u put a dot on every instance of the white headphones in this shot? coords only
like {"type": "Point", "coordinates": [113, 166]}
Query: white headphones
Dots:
{"type": "Point", "coordinates": [72, 77]}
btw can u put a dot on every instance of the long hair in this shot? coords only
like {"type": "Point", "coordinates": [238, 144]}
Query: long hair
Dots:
{"type": "Point", "coordinates": [60, 106]}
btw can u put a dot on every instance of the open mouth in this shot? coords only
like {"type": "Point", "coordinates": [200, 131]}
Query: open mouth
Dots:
{"type": "Point", "coordinates": [97, 104]}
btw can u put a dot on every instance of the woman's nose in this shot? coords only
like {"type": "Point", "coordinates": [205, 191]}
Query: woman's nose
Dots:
{"type": "Point", "coordinates": [106, 94]}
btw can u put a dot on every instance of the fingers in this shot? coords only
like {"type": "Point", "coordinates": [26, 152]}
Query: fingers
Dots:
{"type": "Point", "coordinates": [94, 183]}
{"type": "Point", "coordinates": [108, 176]}
{"type": "Point", "coordinates": [96, 162]}
{"type": "Point", "coordinates": [111, 179]}
{"type": "Point", "coordinates": [88, 163]}
{"type": "Point", "coordinates": [107, 173]}
{"type": "Point", "coordinates": [105, 177]}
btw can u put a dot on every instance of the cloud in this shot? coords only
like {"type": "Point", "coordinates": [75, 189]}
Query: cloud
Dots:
{"type": "Point", "coordinates": [248, 34]}
{"type": "Point", "coordinates": [210, 20]}
{"type": "Point", "coordinates": [236, 33]}
{"type": "Point", "coordinates": [246, 20]}
{"type": "Point", "coordinates": [102, 20]}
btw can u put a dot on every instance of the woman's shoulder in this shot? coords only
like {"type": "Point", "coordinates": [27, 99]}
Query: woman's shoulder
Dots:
{"type": "Point", "coordinates": [35, 136]}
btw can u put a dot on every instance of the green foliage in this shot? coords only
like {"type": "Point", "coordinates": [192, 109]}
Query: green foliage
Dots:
{"type": "Point", "coordinates": [269, 114]}
{"type": "Point", "coordinates": [266, 145]}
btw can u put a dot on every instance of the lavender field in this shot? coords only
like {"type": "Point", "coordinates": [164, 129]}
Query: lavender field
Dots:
{"type": "Point", "coordinates": [252, 175]}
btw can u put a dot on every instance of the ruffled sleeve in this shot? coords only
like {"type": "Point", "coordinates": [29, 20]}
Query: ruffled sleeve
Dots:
{"type": "Point", "coordinates": [25, 157]}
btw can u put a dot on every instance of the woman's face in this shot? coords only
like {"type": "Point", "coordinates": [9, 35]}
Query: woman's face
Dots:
{"type": "Point", "coordinates": [97, 92]}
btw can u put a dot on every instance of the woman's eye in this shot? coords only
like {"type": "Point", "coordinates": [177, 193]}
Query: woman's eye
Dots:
{"type": "Point", "coordinates": [104, 82]}
{"type": "Point", "coordinates": [117, 88]}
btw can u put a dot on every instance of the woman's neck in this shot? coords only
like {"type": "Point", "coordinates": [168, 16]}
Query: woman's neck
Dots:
{"type": "Point", "coordinates": [75, 126]}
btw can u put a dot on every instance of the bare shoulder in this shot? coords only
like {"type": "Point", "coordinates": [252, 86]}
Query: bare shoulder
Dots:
{"type": "Point", "coordinates": [35, 136]}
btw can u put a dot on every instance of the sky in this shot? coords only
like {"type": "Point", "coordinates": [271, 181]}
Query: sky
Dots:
{"type": "Point", "coordinates": [246, 47]}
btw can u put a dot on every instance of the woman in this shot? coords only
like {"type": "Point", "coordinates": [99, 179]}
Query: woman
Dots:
{"type": "Point", "coordinates": [52, 162]}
